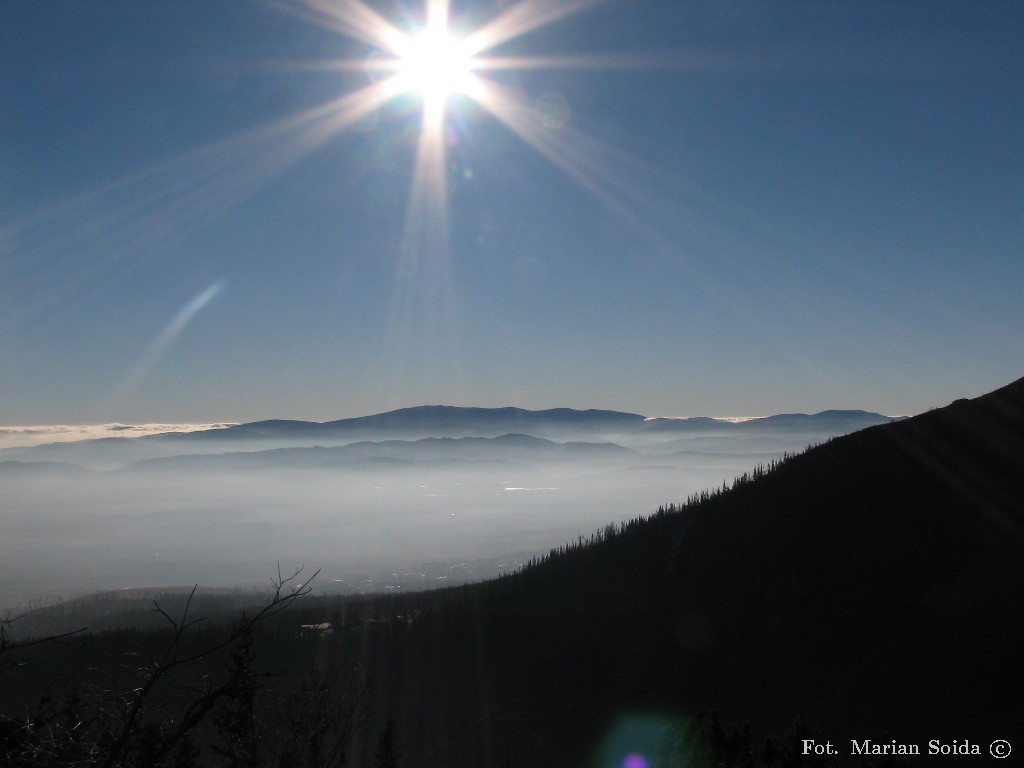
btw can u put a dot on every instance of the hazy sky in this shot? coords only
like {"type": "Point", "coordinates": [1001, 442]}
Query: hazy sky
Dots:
{"type": "Point", "coordinates": [669, 208]}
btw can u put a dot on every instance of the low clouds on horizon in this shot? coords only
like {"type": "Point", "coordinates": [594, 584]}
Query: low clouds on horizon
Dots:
{"type": "Point", "coordinates": [27, 436]}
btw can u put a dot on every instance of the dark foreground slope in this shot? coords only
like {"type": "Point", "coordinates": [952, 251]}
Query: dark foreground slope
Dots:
{"type": "Point", "coordinates": [875, 583]}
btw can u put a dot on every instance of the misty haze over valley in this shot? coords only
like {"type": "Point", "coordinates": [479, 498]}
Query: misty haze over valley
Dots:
{"type": "Point", "coordinates": [414, 498]}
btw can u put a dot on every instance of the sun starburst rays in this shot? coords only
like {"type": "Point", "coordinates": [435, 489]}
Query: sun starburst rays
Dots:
{"type": "Point", "coordinates": [434, 63]}
{"type": "Point", "coordinates": [427, 62]}
{"type": "Point", "coordinates": [430, 62]}
{"type": "Point", "coordinates": [522, 18]}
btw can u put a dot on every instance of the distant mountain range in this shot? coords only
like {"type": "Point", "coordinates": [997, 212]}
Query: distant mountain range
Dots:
{"type": "Point", "coordinates": [451, 421]}
{"type": "Point", "coordinates": [435, 451]}
{"type": "Point", "coordinates": [840, 422]}
{"type": "Point", "coordinates": [568, 427]}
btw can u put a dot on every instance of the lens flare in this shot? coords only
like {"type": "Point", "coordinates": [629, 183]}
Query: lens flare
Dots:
{"type": "Point", "coordinates": [164, 341]}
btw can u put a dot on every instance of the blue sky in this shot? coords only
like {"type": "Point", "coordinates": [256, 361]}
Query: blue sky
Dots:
{"type": "Point", "coordinates": [726, 209]}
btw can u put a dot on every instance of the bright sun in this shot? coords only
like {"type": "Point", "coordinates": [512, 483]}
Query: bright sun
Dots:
{"type": "Point", "coordinates": [435, 64]}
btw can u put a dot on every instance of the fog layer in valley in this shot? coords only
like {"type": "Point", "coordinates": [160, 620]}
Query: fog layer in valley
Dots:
{"type": "Point", "coordinates": [423, 498]}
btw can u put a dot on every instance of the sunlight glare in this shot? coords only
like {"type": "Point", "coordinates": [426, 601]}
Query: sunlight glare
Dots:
{"type": "Point", "coordinates": [434, 63]}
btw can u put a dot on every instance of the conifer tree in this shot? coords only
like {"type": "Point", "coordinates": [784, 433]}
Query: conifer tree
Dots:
{"type": "Point", "coordinates": [235, 716]}
{"type": "Point", "coordinates": [387, 754]}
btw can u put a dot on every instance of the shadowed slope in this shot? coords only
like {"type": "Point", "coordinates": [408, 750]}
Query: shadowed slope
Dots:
{"type": "Point", "coordinates": [875, 581]}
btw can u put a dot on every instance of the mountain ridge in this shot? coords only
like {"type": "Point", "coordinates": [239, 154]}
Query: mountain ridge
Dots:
{"type": "Point", "coordinates": [435, 416]}
{"type": "Point", "coordinates": [562, 424]}
{"type": "Point", "coordinates": [508, 448]}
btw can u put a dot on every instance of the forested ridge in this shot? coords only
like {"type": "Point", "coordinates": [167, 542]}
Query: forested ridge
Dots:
{"type": "Point", "coordinates": [873, 583]}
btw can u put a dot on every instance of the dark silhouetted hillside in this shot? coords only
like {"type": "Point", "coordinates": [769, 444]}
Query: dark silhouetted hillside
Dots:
{"type": "Point", "coordinates": [875, 582]}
